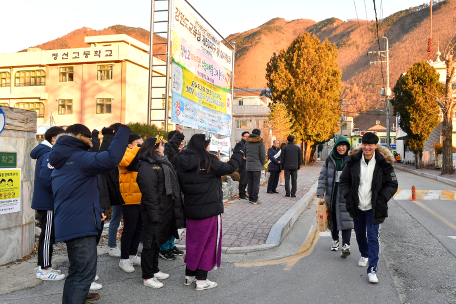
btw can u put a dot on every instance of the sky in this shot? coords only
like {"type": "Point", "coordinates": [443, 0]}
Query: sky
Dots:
{"type": "Point", "coordinates": [35, 22]}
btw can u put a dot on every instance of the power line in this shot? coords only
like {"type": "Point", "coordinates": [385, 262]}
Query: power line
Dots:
{"type": "Point", "coordinates": [357, 19]}
{"type": "Point", "coordinates": [378, 41]}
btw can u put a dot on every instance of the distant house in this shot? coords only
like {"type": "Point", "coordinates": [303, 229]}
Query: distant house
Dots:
{"type": "Point", "coordinates": [374, 122]}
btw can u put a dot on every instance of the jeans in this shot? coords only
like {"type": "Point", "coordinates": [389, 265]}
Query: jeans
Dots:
{"type": "Point", "coordinates": [368, 246]}
{"type": "Point", "coordinates": [47, 238]}
{"type": "Point", "coordinates": [199, 274]}
{"type": "Point", "coordinates": [253, 181]}
{"type": "Point", "coordinates": [132, 231]}
{"type": "Point", "coordinates": [294, 183]}
{"type": "Point", "coordinates": [346, 234]}
{"type": "Point", "coordinates": [116, 216]}
{"type": "Point", "coordinates": [273, 181]}
{"type": "Point", "coordinates": [82, 253]}
{"type": "Point", "coordinates": [169, 244]}
{"type": "Point", "coordinates": [242, 181]}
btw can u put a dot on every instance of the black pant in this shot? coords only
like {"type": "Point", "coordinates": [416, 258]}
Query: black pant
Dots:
{"type": "Point", "coordinates": [294, 184]}
{"type": "Point", "coordinates": [47, 238]}
{"type": "Point", "coordinates": [132, 231]}
{"type": "Point", "coordinates": [149, 260]}
{"type": "Point", "coordinates": [242, 181]}
{"type": "Point", "coordinates": [253, 181]}
{"type": "Point", "coordinates": [199, 274]}
{"type": "Point", "coordinates": [273, 180]}
{"type": "Point", "coordinates": [346, 234]}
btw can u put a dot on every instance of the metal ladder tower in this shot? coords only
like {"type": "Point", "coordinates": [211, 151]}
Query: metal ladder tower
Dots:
{"type": "Point", "coordinates": [155, 71]}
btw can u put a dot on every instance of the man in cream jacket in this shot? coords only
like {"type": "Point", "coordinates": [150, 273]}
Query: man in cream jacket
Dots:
{"type": "Point", "coordinates": [368, 182]}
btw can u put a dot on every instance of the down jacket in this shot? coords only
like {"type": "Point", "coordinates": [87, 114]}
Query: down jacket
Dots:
{"type": "Point", "coordinates": [384, 183]}
{"type": "Point", "coordinates": [129, 188]}
{"type": "Point", "coordinates": [75, 186]}
{"type": "Point", "coordinates": [255, 153]}
{"type": "Point", "coordinates": [42, 193]}
{"type": "Point", "coordinates": [326, 183]}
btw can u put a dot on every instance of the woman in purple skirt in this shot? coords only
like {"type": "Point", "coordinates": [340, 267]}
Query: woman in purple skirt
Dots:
{"type": "Point", "coordinates": [199, 174]}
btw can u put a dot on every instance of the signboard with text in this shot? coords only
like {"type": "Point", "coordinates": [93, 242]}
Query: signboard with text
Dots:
{"type": "Point", "coordinates": [83, 55]}
{"type": "Point", "coordinates": [10, 190]}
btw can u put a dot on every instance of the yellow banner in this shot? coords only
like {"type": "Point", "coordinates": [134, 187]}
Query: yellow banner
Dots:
{"type": "Point", "coordinates": [10, 190]}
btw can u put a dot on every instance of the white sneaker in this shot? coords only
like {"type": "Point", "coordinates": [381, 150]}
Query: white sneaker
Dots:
{"type": "Point", "coordinates": [335, 245]}
{"type": "Point", "coordinates": [135, 260]}
{"type": "Point", "coordinates": [126, 265]}
{"type": "Point", "coordinates": [153, 282]}
{"type": "Point", "coordinates": [206, 285]}
{"type": "Point", "coordinates": [161, 275]}
{"type": "Point", "coordinates": [372, 276]}
{"type": "Point", "coordinates": [96, 278]}
{"type": "Point", "coordinates": [189, 282]}
{"type": "Point", "coordinates": [95, 286]}
{"type": "Point", "coordinates": [345, 251]}
{"type": "Point", "coordinates": [49, 275]}
{"type": "Point", "coordinates": [363, 262]}
{"type": "Point", "coordinates": [114, 252]}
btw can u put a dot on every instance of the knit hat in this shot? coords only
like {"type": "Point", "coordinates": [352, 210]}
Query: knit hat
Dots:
{"type": "Point", "coordinates": [133, 137]}
{"type": "Point", "coordinates": [256, 132]}
{"type": "Point", "coordinates": [370, 138]}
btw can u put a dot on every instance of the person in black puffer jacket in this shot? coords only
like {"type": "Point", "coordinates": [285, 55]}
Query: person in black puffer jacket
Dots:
{"type": "Point", "coordinates": [200, 175]}
{"type": "Point", "coordinates": [161, 205]}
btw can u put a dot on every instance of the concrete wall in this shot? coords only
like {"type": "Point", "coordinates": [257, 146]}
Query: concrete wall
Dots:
{"type": "Point", "coordinates": [17, 230]}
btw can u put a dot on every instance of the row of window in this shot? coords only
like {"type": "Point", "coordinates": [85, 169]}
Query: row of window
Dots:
{"type": "Point", "coordinates": [245, 123]}
{"type": "Point", "coordinates": [38, 77]}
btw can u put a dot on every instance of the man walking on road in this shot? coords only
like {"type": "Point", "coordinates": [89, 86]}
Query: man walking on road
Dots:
{"type": "Point", "coordinates": [274, 167]}
{"type": "Point", "coordinates": [242, 170]}
{"type": "Point", "coordinates": [255, 153]}
{"type": "Point", "coordinates": [368, 182]}
{"type": "Point", "coordinates": [291, 160]}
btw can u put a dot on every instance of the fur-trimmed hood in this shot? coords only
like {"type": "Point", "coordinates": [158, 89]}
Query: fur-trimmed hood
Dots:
{"type": "Point", "coordinates": [65, 145]}
{"type": "Point", "coordinates": [253, 138]}
{"type": "Point", "coordinates": [383, 151]}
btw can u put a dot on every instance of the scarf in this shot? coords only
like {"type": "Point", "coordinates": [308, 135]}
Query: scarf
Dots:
{"type": "Point", "coordinates": [171, 183]}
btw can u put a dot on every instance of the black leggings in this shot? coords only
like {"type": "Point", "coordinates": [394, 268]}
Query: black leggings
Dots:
{"type": "Point", "coordinates": [198, 273]}
{"type": "Point", "coordinates": [346, 234]}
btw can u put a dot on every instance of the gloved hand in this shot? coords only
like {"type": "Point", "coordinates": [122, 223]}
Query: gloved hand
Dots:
{"type": "Point", "coordinates": [107, 131]}
{"type": "Point", "coordinates": [95, 133]}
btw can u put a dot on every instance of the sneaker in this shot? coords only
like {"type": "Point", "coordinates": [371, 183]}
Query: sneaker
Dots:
{"type": "Point", "coordinates": [126, 265]}
{"type": "Point", "coordinates": [335, 246]}
{"type": "Point", "coordinates": [206, 285]}
{"type": "Point", "coordinates": [255, 203]}
{"type": "Point", "coordinates": [282, 185]}
{"type": "Point", "coordinates": [96, 277]}
{"type": "Point", "coordinates": [49, 275]}
{"type": "Point", "coordinates": [345, 251]}
{"type": "Point", "coordinates": [95, 286]}
{"type": "Point", "coordinates": [363, 262]}
{"type": "Point", "coordinates": [167, 255]}
{"type": "Point", "coordinates": [245, 198]}
{"type": "Point", "coordinates": [161, 275]}
{"type": "Point", "coordinates": [92, 296]}
{"type": "Point", "coordinates": [372, 276]}
{"type": "Point", "coordinates": [135, 260]}
{"type": "Point", "coordinates": [114, 252]}
{"type": "Point", "coordinates": [153, 282]}
{"type": "Point", "coordinates": [176, 251]}
{"type": "Point", "coordinates": [189, 282]}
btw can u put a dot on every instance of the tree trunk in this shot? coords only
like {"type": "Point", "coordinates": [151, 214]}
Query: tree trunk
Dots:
{"type": "Point", "coordinates": [304, 148]}
{"type": "Point", "coordinates": [447, 133]}
{"type": "Point", "coordinates": [419, 160]}
{"type": "Point", "coordinates": [312, 152]}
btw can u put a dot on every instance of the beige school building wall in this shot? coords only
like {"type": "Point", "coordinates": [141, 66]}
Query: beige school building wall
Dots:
{"type": "Point", "coordinates": [96, 86]}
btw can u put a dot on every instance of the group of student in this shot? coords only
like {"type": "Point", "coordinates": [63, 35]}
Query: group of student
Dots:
{"type": "Point", "coordinates": [159, 187]}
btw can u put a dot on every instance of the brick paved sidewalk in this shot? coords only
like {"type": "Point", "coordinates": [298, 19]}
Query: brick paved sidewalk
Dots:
{"type": "Point", "coordinates": [245, 224]}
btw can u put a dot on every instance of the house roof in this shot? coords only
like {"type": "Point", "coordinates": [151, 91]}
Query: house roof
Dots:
{"type": "Point", "coordinates": [378, 128]}
{"type": "Point", "coordinates": [368, 121]}
{"type": "Point", "coordinates": [251, 92]}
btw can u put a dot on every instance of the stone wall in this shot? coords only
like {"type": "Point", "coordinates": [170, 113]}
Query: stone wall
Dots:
{"type": "Point", "coordinates": [17, 230]}
{"type": "Point", "coordinates": [231, 188]}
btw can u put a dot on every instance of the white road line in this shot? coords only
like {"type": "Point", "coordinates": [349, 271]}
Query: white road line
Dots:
{"type": "Point", "coordinates": [433, 195]}
{"type": "Point", "coordinates": [403, 195]}
{"type": "Point", "coordinates": [452, 237]}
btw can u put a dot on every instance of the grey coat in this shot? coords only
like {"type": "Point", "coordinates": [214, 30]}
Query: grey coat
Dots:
{"type": "Point", "coordinates": [255, 153]}
{"type": "Point", "coordinates": [326, 183]}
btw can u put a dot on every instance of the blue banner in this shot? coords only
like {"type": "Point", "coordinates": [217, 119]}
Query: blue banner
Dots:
{"type": "Point", "coordinates": [196, 116]}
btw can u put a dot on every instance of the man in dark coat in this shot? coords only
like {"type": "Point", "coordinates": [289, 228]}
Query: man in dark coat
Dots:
{"type": "Point", "coordinates": [291, 160]}
{"type": "Point", "coordinates": [255, 154]}
{"type": "Point", "coordinates": [43, 203]}
{"type": "Point", "coordinates": [274, 167]}
{"type": "Point", "coordinates": [77, 210]}
{"type": "Point", "coordinates": [242, 170]}
{"type": "Point", "coordinates": [368, 182]}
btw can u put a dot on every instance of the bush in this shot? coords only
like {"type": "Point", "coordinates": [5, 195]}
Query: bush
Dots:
{"type": "Point", "coordinates": [235, 176]}
{"type": "Point", "coordinates": [144, 130]}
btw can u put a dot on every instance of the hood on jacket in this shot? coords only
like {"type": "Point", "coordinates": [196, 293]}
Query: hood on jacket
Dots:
{"type": "Point", "coordinates": [41, 149]}
{"type": "Point", "coordinates": [253, 138]}
{"type": "Point", "coordinates": [187, 161]}
{"type": "Point", "coordinates": [384, 152]}
{"type": "Point", "coordinates": [341, 139]}
{"type": "Point", "coordinates": [65, 145]}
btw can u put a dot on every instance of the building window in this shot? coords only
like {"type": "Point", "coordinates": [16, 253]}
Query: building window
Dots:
{"type": "Point", "coordinates": [5, 79]}
{"type": "Point", "coordinates": [241, 102]}
{"type": "Point", "coordinates": [241, 124]}
{"type": "Point", "coordinates": [383, 140]}
{"type": "Point", "coordinates": [360, 140]}
{"type": "Point", "coordinates": [104, 72]}
{"type": "Point", "coordinates": [30, 78]}
{"type": "Point", "coordinates": [344, 127]}
{"type": "Point", "coordinates": [104, 105]}
{"type": "Point", "coordinates": [38, 107]}
{"type": "Point", "coordinates": [66, 74]}
{"type": "Point", "coordinates": [65, 106]}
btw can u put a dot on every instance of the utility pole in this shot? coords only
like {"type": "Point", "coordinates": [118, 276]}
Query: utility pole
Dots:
{"type": "Point", "coordinates": [385, 91]}
{"type": "Point", "coordinates": [343, 106]}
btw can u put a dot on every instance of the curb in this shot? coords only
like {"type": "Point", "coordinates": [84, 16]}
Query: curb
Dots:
{"type": "Point", "coordinates": [280, 229]}
{"type": "Point", "coordinates": [428, 175]}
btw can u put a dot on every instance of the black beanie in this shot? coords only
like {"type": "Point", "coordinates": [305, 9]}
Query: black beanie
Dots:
{"type": "Point", "coordinates": [133, 137]}
{"type": "Point", "coordinates": [256, 132]}
{"type": "Point", "coordinates": [370, 138]}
